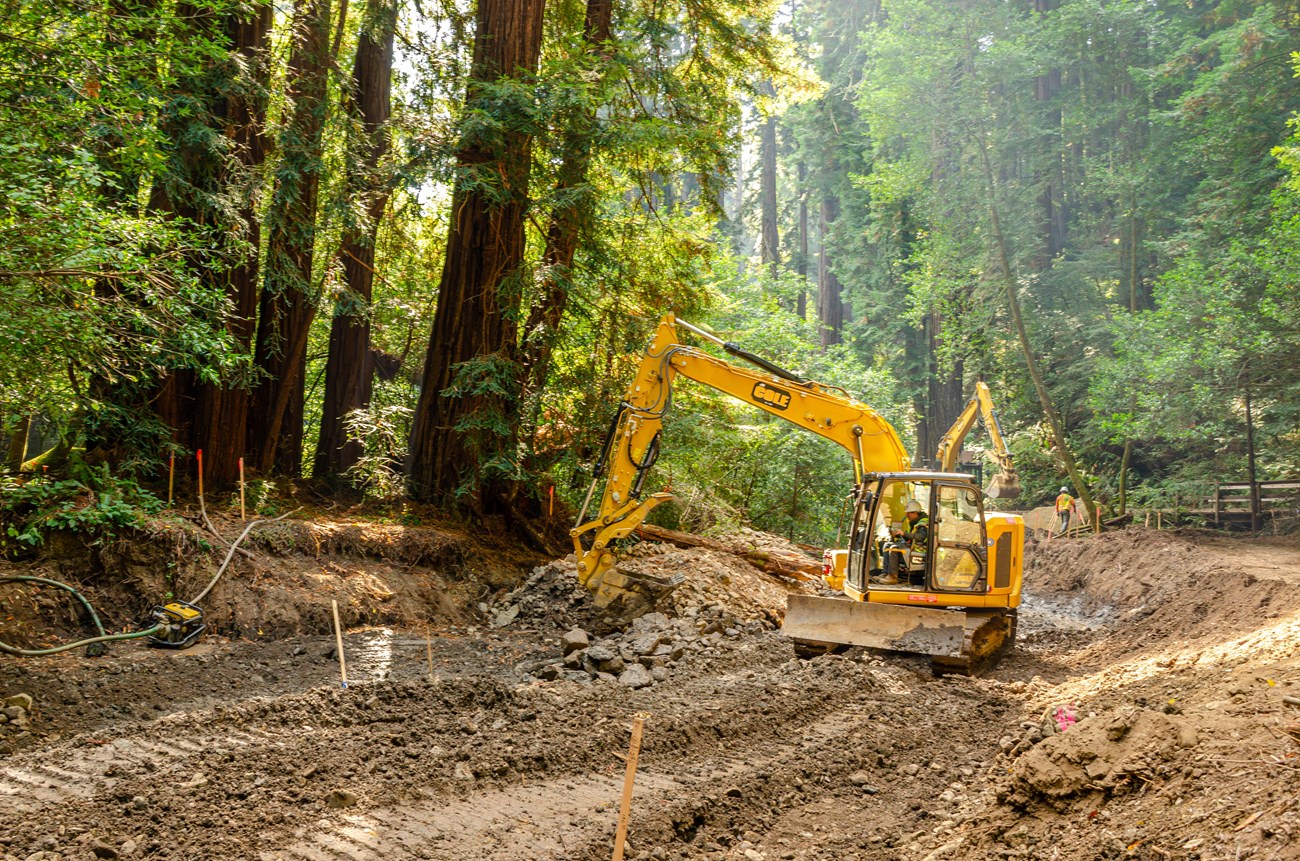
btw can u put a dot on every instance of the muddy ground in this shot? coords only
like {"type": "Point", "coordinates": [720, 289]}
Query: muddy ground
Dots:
{"type": "Point", "coordinates": [1141, 716]}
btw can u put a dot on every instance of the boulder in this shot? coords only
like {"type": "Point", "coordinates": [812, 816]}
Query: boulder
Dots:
{"type": "Point", "coordinates": [574, 640]}
{"type": "Point", "coordinates": [636, 676]}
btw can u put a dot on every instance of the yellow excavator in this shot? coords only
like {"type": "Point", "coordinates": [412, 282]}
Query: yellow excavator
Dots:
{"type": "Point", "coordinates": [949, 590]}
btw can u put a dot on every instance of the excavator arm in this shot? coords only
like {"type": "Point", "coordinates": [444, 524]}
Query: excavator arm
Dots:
{"type": "Point", "coordinates": [632, 445]}
{"type": "Point", "coordinates": [1006, 484]}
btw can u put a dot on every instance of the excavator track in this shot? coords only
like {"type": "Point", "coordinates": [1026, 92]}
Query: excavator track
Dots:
{"type": "Point", "coordinates": [989, 634]}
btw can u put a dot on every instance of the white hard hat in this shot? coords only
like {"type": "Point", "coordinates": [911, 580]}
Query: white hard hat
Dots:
{"type": "Point", "coordinates": [1064, 490]}
{"type": "Point", "coordinates": [914, 506]}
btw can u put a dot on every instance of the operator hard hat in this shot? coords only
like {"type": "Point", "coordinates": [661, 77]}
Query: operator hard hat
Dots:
{"type": "Point", "coordinates": [1065, 490]}
{"type": "Point", "coordinates": [914, 506]}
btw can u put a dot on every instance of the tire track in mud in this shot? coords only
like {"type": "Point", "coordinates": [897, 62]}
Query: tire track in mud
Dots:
{"type": "Point", "coordinates": [572, 816]}
{"type": "Point", "coordinates": [233, 764]}
{"type": "Point", "coordinates": [89, 768]}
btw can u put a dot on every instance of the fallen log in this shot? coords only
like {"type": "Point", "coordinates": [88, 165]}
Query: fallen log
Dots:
{"type": "Point", "coordinates": [783, 563]}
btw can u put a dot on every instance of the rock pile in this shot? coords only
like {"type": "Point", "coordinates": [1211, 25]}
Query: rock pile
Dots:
{"type": "Point", "coordinates": [551, 597]}
{"type": "Point", "coordinates": [15, 720]}
{"type": "Point", "coordinates": [645, 653]}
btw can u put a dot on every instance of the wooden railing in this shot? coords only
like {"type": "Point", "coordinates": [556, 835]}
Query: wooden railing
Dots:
{"type": "Point", "coordinates": [1272, 495]}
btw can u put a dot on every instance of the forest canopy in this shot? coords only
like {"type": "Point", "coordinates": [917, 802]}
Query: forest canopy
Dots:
{"type": "Point", "coordinates": [413, 251]}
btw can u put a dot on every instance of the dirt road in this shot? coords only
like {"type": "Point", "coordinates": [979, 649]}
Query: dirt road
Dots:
{"type": "Point", "coordinates": [1171, 652]}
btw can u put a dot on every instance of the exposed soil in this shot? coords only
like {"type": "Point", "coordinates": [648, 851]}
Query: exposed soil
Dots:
{"type": "Point", "coordinates": [489, 706]}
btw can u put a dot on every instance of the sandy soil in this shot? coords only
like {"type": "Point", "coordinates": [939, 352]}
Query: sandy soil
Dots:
{"type": "Point", "coordinates": [1165, 655]}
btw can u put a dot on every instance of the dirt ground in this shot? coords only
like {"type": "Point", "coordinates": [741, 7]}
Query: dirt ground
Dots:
{"type": "Point", "coordinates": [489, 705]}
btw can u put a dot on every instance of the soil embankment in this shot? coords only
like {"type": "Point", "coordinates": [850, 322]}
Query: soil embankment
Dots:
{"type": "Point", "coordinates": [1142, 716]}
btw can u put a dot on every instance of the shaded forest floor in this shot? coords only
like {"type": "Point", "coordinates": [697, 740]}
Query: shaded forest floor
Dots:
{"type": "Point", "coordinates": [469, 733]}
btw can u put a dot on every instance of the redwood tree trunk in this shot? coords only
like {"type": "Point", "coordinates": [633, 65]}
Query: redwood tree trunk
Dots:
{"type": "Point", "coordinates": [462, 436]}
{"type": "Point", "coordinates": [287, 305]}
{"type": "Point", "coordinates": [221, 413]}
{"type": "Point", "coordinates": [214, 416]}
{"type": "Point", "coordinates": [801, 304]}
{"type": "Point", "coordinates": [349, 368]}
{"type": "Point", "coordinates": [770, 240]}
{"type": "Point", "coordinates": [830, 307]}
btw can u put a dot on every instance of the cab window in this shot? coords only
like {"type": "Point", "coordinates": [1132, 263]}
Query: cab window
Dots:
{"type": "Point", "coordinates": [959, 539]}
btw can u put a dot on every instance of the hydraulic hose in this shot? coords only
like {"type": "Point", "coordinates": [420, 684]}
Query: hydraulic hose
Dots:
{"type": "Point", "coordinates": [104, 636]}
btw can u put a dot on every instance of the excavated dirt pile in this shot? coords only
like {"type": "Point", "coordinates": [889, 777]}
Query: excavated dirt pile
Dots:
{"type": "Point", "coordinates": [1147, 713]}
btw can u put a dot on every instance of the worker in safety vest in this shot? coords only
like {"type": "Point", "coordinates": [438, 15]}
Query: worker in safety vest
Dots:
{"type": "Point", "coordinates": [917, 528]}
{"type": "Point", "coordinates": [1064, 504]}
{"type": "Point", "coordinates": [914, 535]}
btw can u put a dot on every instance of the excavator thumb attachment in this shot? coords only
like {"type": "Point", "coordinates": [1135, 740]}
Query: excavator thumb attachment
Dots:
{"type": "Point", "coordinates": [1005, 485]}
{"type": "Point", "coordinates": [815, 623]}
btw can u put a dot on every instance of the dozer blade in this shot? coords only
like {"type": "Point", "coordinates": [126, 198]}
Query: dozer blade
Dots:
{"type": "Point", "coordinates": [1003, 487]}
{"type": "Point", "coordinates": [632, 595]}
{"type": "Point", "coordinates": [819, 622]}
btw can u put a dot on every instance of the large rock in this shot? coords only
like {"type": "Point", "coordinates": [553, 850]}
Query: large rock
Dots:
{"type": "Point", "coordinates": [22, 701]}
{"type": "Point", "coordinates": [636, 676]}
{"type": "Point", "coordinates": [600, 653]}
{"type": "Point", "coordinates": [574, 640]}
{"type": "Point", "coordinates": [645, 644]}
{"type": "Point", "coordinates": [650, 622]}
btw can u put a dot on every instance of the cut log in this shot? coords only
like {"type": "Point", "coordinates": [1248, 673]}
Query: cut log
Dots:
{"type": "Point", "coordinates": [783, 563]}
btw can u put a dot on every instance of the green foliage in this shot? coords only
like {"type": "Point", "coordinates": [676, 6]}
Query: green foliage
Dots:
{"type": "Point", "coordinates": [383, 430]}
{"type": "Point", "coordinates": [98, 510]}
{"type": "Point", "coordinates": [99, 294]}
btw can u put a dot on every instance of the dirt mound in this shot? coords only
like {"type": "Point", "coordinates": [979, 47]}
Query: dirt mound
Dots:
{"type": "Point", "coordinates": [1101, 754]}
{"type": "Point", "coordinates": [715, 578]}
{"type": "Point", "coordinates": [279, 583]}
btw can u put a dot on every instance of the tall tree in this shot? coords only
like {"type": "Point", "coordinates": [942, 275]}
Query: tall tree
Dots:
{"type": "Point", "coordinates": [574, 201]}
{"type": "Point", "coordinates": [349, 368]}
{"type": "Point", "coordinates": [462, 436]}
{"type": "Point", "coordinates": [288, 300]}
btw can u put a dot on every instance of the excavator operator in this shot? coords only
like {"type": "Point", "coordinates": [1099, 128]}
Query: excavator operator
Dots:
{"type": "Point", "coordinates": [912, 535]}
{"type": "Point", "coordinates": [918, 527]}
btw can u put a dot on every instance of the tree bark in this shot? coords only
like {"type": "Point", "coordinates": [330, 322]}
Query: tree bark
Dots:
{"type": "Point", "coordinates": [801, 266]}
{"type": "Point", "coordinates": [221, 412]}
{"type": "Point", "coordinates": [830, 307]}
{"type": "Point", "coordinates": [214, 416]}
{"type": "Point", "coordinates": [349, 369]}
{"type": "Point", "coordinates": [569, 217]}
{"type": "Point", "coordinates": [1022, 335]}
{"type": "Point", "coordinates": [462, 437]}
{"type": "Point", "coordinates": [17, 449]}
{"type": "Point", "coordinates": [770, 239]}
{"type": "Point", "coordinates": [287, 304]}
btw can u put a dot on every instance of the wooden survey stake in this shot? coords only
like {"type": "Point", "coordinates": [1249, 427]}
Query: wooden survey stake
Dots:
{"type": "Point", "coordinates": [338, 644]}
{"type": "Point", "coordinates": [633, 753]}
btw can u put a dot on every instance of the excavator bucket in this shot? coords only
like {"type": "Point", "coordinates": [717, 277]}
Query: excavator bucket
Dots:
{"type": "Point", "coordinates": [628, 595]}
{"type": "Point", "coordinates": [1003, 486]}
{"type": "Point", "coordinates": [821, 623]}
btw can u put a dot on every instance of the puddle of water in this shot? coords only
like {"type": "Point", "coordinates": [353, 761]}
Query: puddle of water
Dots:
{"type": "Point", "coordinates": [370, 654]}
{"type": "Point", "coordinates": [1040, 613]}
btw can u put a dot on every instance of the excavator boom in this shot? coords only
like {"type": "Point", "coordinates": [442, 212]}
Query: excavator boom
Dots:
{"type": "Point", "coordinates": [632, 445]}
{"type": "Point", "coordinates": [1006, 484]}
